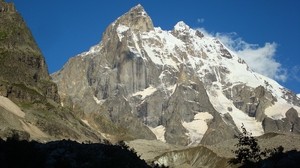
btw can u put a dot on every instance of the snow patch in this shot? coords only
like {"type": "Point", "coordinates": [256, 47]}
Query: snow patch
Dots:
{"type": "Point", "coordinates": [197, 127]}
{"type": "Point", "coordinates": [98, 101]}
{"type": "Point", "coordinates": [172, 88]}
{"type": "Point", "coordinates": [221, 104]}
{"type": "Point", "coordinates": [298, 95]}
{"type": "Point", "coordinates": [159, 132]}
{"type": "Point", "coordinates": [120, 30]}
{"type": "Point", "coordinates": [93, 50]}
{"type": "Point", "coordinates": [278, 110]}
{"type": "Point", "coordinates": [181, 26]}
{"type": "Point", "coordinates": [146, 92]}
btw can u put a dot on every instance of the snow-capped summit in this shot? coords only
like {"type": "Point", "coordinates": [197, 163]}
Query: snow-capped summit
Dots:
{"type": "Point", "coordinates": [181, 26]}
{"type": "Point", "coordinates": [177, 86]}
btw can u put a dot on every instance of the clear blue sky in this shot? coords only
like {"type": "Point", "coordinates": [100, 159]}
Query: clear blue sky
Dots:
{"type": "Point", "coordinates": [65, 28]}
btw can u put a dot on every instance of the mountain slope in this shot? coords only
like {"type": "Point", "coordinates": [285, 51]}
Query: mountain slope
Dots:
{"type": "Point", "coordinates": [22, 63]}
{"type": "Point", "coordinates": [178, 86]}
{"type": "Point", "coordinates": [30, 104]}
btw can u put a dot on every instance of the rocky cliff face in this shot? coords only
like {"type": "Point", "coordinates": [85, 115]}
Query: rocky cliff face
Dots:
{"type": "Point", "coordinates": [178, 86]}
{"type": "Point", "coordinates": [23, 68]}
{"type": "Point", "coordinates": [29, 101]}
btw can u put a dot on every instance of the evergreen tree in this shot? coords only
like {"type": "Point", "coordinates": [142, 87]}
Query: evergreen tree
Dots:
{"type": "Point", "coordinates": [248, 151]}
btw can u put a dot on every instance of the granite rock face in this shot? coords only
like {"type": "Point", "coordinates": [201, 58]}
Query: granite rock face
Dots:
{"type": "Point", "coordinates": [291, 123]}
{"type": "Point", "coordinates": [178, 86]}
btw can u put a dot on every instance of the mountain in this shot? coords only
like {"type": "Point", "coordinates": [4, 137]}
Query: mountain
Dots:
{"type": "Point", "coordinates": [178, 86]}
{"type": "Point", "coordinates": [29, 101]}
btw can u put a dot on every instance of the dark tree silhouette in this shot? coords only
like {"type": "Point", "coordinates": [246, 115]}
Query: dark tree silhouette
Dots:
{"type": "Point", "coordinates": [248, 154]}
{"type": "Point", "coordinates": [248, 150]}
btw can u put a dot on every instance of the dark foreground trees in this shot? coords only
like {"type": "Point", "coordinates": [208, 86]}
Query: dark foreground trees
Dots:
{"type": "Point", "coordinates": [249, 154]}
{"type": "Point", "coordinates": [67, 153]}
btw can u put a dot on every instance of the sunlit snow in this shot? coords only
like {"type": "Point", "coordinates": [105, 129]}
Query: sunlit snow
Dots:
{"type": "Point", "coordinates": [221, 104]}
{"type": "Point", "coordinates": [197, 127]}
{"type": "Point", "coordinates": [97, 100]}
{"type": "Point", "coordinates": [146, 92]}
{"type": "Point", "coordinates": [120, 30]}
{"type": "Point", "coordinates": [277, 111]}
{"type": "Point", "coordinates": [159, 132]}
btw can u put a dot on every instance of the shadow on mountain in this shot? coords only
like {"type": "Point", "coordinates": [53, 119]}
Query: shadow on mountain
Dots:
{"type": "Point", "coordinates": [67, 153]}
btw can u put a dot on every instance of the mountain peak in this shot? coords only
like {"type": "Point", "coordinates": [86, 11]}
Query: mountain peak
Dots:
{"type": "Point", "coordinates": [137, 19]}
{"type": "Point", "coordinates": [181, 26]}
{"type": "Point", "coordinates": [138, 7]}
{"type": "Point", "coordinates": [163, 84]}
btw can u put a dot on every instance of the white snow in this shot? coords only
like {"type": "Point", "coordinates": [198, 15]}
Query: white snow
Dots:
{"type": "Point", "coordinates": [146, 92]}
{"type": "Point", "coordinates": [93, 50]}
{"type": "Point", "coordinates": [159, 132]}
{"type": "Point", "coordinates": [120, 30]}
{"type": "Point", "coordinates": [197, 127]}
{"type": "Point", "coordinates": [155, 58]}
{"type": "Point", "coordinates": [298, 95]}
{"type": "Point", "coordinates": [172, 88]}
{"type": "Point", "coordinates": [181, 26]}
{"type": "Point", "coordinates": [11, 107]}
{"type": "Point", "coordinates": [278, 110]}
{"type": "Point", "coordinates": [98, 101]}
{"type": "Point", "coordinates": [221, 103]}
{"type": "Point", "coordinates": [135, 39]}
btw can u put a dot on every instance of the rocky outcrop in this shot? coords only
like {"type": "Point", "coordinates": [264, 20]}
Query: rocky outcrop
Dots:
{"type": "Point", "coordinates": [252, 101]}
{"type": "Point", "coordinates": [291, 123]}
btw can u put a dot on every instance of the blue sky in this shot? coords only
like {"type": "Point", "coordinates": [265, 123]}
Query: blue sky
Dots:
{"type": "Point", "coordinates": [266, 33]}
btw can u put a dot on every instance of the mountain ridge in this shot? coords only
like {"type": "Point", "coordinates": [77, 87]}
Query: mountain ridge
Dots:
{"type": "Point", "coordinates": [164, 79]}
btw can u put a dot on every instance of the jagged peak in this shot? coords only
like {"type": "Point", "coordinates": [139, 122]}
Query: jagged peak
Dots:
{"type": "Point", "coordinates": [138, 7]}
{"type": "Point", "coordinates": [181, 26]}
{"type": "Point", "coordinates": [137, 19]}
